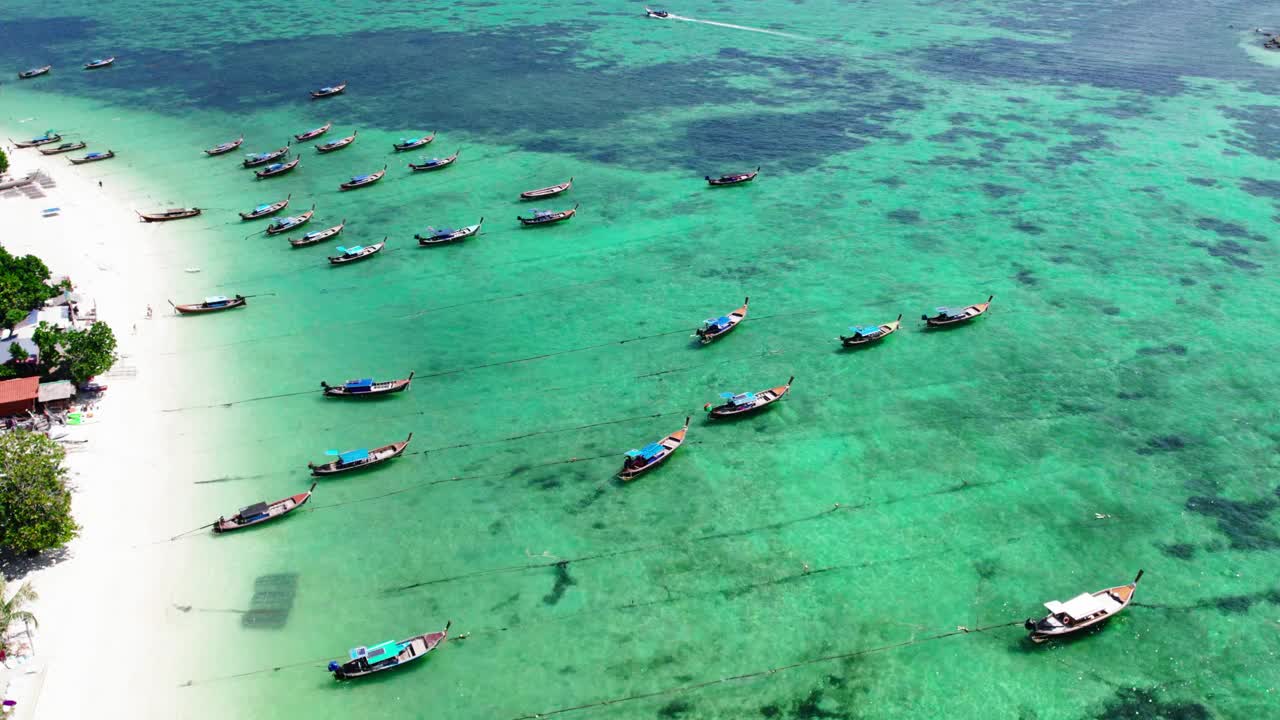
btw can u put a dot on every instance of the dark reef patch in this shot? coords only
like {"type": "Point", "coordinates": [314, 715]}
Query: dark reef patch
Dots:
{"type": "Point", "coordinates": [1230, 251]}
{"type": "Point", "coordinates": [1143, 704]}
{"type": "Point", "coordinates": [1261, 188]}
{"type": "Point", "coordinates": [1026, 278]}
{"type": "Point", "coordinates": [1244, 523]}
{"type": "Point", "coordinates": [563, 582]}
{"type": "Point", "coordinates": [906, 217]}
{"type": "Point", "coordinates": [674, 709]}
{"type": "Point", "coordinates": [1028, 228]}
{"type": "Point", "coordinates": [1166, 350]}
{"type": "Point", "coordinates": [1202, 181]}
{"type": "Point", "coordinates": [996, 191]}
{"type": "Point", "coordinates": [1163, 443]}
{"type": "Point", "coordinates": [892, 181]}
{"type": "Point", "coordinates": [1227, 229]}
{"type": "Point", "coordinates": [1179, 551]}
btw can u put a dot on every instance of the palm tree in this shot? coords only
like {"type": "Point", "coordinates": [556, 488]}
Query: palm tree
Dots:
{"type": "Point", "coordinates": [11, 610]}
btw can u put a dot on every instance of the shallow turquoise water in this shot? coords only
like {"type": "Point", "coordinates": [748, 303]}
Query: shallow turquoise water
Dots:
{"type": "Point", "coordinates": [1114, 192]}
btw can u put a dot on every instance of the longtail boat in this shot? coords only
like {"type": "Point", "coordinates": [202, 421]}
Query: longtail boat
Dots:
{"type": "Point", "coordinates": [34, 72]}
{"type": "Point", "coordinates": [64, 147]}
{"type": "Point", "coordinates": [93, 157]}
{"type": "Point", "coordinates": [226, 147]}
{"type": "Point", "coordinates": [714, 328]}
{"type": "Point", "coordinates": [736, 179]}
{"type": "Point", "coordinates": [328, 91]}
{"type": "Point", "coordinates": [366, 387]}
{"type": "Point", "coordinates": [652, 455]}
{"type": "Point", "coordinates": [172, 214]}
{"type": "Point", "coordinates": [413, 143]}
{"type": "Point", "coordinates": [1082, 611]}
{"type": "Point", "coordinates": [7, 183]}
{"type": "Point", "coordinates": [258, 513]}
{"type": "Point", "coordinates": [547, 217]}
{"type": "Point", "coordinates": [216, 303]}
{"type": "Point", "coordinates": [359, 459]}
{"type": "Point", "coordinates": [442, 236]}
{"type": "Point", "coordinates": [357, 253]}
{"type": "Point", "coordinates": [48, 137]}
{"type": "Point", "coordinates": [264, 210]}
{"type": "Point", "coordinates": [868, 334]}
{"type": "Point", "coordinates": [95, 64]}
{"type": "Point", "coordinates": [546, 192]}
{"type": "Point", "coordinates": [660, 14]}
{"type": "Point", "coordinates": [286, 224]}
{"type": "Point", "coordinates": [388, 655]}
{"type": "Point", "coordinates": [435, 163]}
{"type": "Point", "coordinates": [950, 316]}
{"type": "Point", "coordinates": [256, 159]}
{"type": "Point", "coordinates": [745, 403]}
{"type": "Point", "coordinates": [359, 181]}
{"type": "Point", "coordinates": [315, 133]}
{"type": "Point", "coordinates": [312, 238]}
{"type": "Point", "coordinates": [278, 168]}
{"type": "Point", "coordinates": [336, 144]}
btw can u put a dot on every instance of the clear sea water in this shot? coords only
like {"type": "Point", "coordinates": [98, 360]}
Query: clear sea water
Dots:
{"type": "Point", "coordinates": [1106, 170]}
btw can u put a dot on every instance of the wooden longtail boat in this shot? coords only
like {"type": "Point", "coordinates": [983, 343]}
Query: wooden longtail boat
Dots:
{"type": "Point", "coordinates": [359, 459]}
{"type": "Point", "coordinates": [264, 210]}
{"type": "Point", "coordinates": [64, 147]}
{"type": "Point", "coordinates": [547, 217]}
{"type": "Point", "coordinates": [48, 137]}
{"type": "Point", "coordinates": [366, 387]}
{"type": "Point", "coordinates": [435, 163]}
{"type": "Point", "coordinates": [256, 159]}
{"type": "Point", "coordinates": [357, 253]}
{"type": "Point", "coordinates": [34, 72]}
{"type": "Point", "coordinates": [948, 316]}
{"type": "Point", "coordinates": [95, 64]}
{"type": "Point", "coordinates": [546, 192]}
{"type": "Point", "coordinates": [660, 14]}
{"type": "Point", "coordinates": [868, 334]}
{"type": "Point", "coordinates": [413, 143]}
{"type": "Point", "coordinates": [93, 157]}
{"type": "Point", "coordinates": [746, 403]}
{"type": "Point", "coordinates": [737, 179]}
{"type": "Point", "coordinates": [278, 168]}
{"type": "Point", "coordinates": [714, 328]}
{"type": "Point", "coordinates": [336, 144]}
{"type": "Point", "coordinates": [312, 134]}
{"type": "Point", "coordinates": [225, 147]}
{"type": "Point", "coordinates": [217, 303]}
{"type": "Point", "coordinates": [442, 236]}
{"type": "Point", "coordinates": [172, 214]}
{"type": "Point", "coordinates": [329, 91]}
{"type": "Point", "coordinates": [652, 455]}
{"type": "Point", "coordinates": [258, 513]}
{"type": "Point", "coordinates": [1082, 611]}
{"type": "Point", "coordinates": [388, 655]}
{"type": "Point", "coordinates": [312, 238]}
{"type": "Point", "coordinates": [360, 181]}
{"type": "Point", "coordinates": [288, 223]}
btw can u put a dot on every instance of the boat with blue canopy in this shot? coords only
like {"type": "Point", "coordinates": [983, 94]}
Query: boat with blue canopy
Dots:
{"type": "Point", "coordinates": [363, 661]}
{"type": "Point", "coordinates": [714, 328]}
{"type": "Point", "coordinates": [736, 179]}
{"type": "Point", "coordinates": [93, 157]}
{"type": "Point", "coordinates": [652, 455]}
{"type": "Point", "coordinates": [336, 144]}
{"type": "Point", "coordinates": [442, 236]}
{"type": "Point", "coordinates": [49, 136]}
{"type": "Point", "coordinates": [360, 181]}
{"type": "Point", "coordinates": [267, 209]}
{"type": "Point", "coordinates": [278, 168]}
{"type": "Point", "coordinates": [358, 459]}
{"type": "Point", "coordinates": [951, 316]}
{"type": "Point", "coordinates": [357, 253]}
{"type": "Point", "coordinates": [735, 405]}
{"type": "Point", "coordinates": [868, 334]}
{"type": "Point", "coordinates": [314, 133]}
{"type": "Point", "coordinates": [318, 236]}
{"type": "Point", "coordinates": [413, 143]}
{"type": "Point", "coordinates": [64, 147]}
{"type": "Point", "coordinates": [34, 72]}
{"type": "Point", "coordinates": [548, 217]}
{"type": "Point", "coordinates": [104, 62]}
{"type": "Point", "coordinates": [224, 148]}
{"type": "Point", "coordinates": [261, 512]}
{"type": "Point", "coordinates": [216, 303]}
{"type": "Point", "coordinates": [286, 224]}
{"type": "Point", "coordinates": [435, 163]}
{"type": "Point", "coordinates": [256, 159]}
{"type": "Point", "coordinates": [366, 387]}
{"type": "Point", "coordinates": [329, 90]}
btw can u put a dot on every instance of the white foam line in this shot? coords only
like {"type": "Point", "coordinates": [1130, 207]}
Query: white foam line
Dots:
{"type": "Point", "coordinates": [741, 27]}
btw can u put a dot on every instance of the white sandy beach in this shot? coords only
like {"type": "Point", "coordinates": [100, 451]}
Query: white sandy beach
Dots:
{"type": "Point", "coordinates": [94, 605]}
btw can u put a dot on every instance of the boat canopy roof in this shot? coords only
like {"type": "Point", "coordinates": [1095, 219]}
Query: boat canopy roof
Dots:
{"type": "Point", "coordinates": [350, 456]}
{"type": "Point", "coordinates": [865, 330]}
{"type": "Point", "coordinates": [443, 231]}
{"type": "Point", "coordinates": [361, 383]}
{"type": "Point", "coordinates": [254, 511]}
{"type": "Point", "coordinates": [350, 250]}
{"type": "Point", "coordinates": [1081, 606]}
{"type": "Point", "coordinates": [949, 312]}
{"type": "Point", "coordinates": [215, 300]}
{"type": "Point", "coordinates": [274, 166]}
{"type": "Point", "coordinates": [360, 178]}
{"type": "Point", "coordinates": [718, 322]}
{"type": "Point", "coordinates": [377, 653]}
{"type": "Point", "coordinates": [648, 452]}
{"type": "Point", "coordinates": [739, 399]}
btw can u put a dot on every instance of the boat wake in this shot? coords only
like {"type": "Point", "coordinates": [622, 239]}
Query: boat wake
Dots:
{"type": "Point", "coordinates": [779, 33]}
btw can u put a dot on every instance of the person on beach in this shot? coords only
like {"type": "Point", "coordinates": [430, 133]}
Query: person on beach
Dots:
{"type": "Point", "coordinates": [148, 312]}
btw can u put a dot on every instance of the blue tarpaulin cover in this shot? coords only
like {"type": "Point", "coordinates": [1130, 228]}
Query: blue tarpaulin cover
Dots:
{"type": "Point", "coordinates": [361, 383]}
{"type": "Point", "coordinates": [865, 331]}
{"type": "Point", "coordinates": [351, 456]}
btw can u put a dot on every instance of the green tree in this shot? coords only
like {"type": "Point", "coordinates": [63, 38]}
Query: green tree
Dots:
{"type": "Point", "coordinates": [17, 353]}
{"type": "Point", "coordinates": [4, 162]}
{"type": "Point", "coordinates": [23, 286]}
{"type": "Point", "coordinates": [35, 503]}
{"type": "Point", "coordinates": [89, 352]}
{"type": "Point", "coordinates": [13, 609]}
{"type": "Point", "coordinates": [48, 338]}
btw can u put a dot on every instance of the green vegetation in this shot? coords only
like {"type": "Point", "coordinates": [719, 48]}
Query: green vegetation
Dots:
{"type": "Point", "coordinates": [24, 286]}
{"type": "Point", "coordinates": [35, 503]}
{"type": "Point", "coordinates": [11, 610]}
{"type": "Point", "coordinates": [4, 162]}
{"type": "Point", "coordinates": [75, 354]}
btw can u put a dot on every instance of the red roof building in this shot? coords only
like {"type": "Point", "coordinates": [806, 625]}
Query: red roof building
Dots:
{"type": "Point", "coordinates": [18, 396]}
